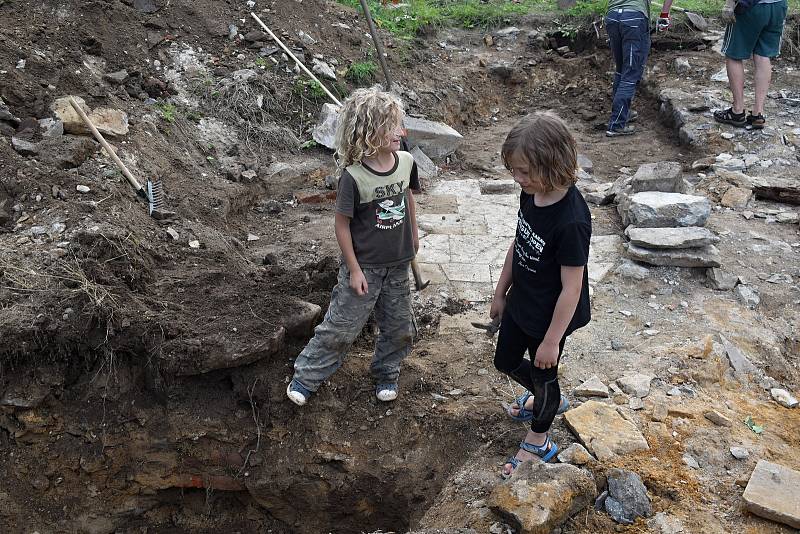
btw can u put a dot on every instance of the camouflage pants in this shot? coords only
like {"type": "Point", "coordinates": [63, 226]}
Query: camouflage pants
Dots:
{"type": "Point", "coordinates": [389, 295]}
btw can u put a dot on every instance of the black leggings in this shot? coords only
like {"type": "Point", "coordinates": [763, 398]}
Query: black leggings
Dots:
{"type": "Point", "coordinates": [509, 358]}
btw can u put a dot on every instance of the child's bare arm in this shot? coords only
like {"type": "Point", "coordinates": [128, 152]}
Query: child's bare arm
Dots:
{"type": "Point", "coordinates": [503, 285]}
{"type": "Point", "coordinates": [412, 214]}
{"type": "Point", "coordinates": [345, 240]}
{"type": "Point", "coordinates": [572, 283]}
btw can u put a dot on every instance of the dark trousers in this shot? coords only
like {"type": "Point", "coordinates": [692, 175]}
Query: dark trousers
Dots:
{"type": "Point", "coordinates": [629, 37]}
{"type": "Point", "coordinates": [509, 358]}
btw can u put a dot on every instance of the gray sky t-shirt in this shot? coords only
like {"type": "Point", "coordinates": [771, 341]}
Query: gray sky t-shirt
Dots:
{"type": "Point", "coordinates": [377, 204]}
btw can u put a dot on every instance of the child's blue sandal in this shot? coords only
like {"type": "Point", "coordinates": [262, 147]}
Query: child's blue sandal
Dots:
{"type": "Point", "coordinates": [546, 452]}
{"type": "Point", "coordinates": [386, 392]}
{"type": "Point", "coordinates": [526, 415]}
{"type": "Point", "coordinates": [298, 393]}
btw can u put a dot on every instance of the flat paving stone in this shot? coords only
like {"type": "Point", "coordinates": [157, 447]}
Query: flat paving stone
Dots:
{"type": "Point", "coordinates": [433, 272]}
{"type": "Point", "coordinates": [603, 431]}
{"type": "Point", "coordinates": [473, 291]}
{"type": "Point", "coordinates": [455, 224]}
{"type": "Point", "coordinates": [468, 249]}
{"type": "Point", "coordinates": [772, 492]}
{"type": "Point", "coordinates": [467, 272]}
{"type": "Point", "coordinates": [434, 248]}
{"type": "Point", "coordinates": [459, 188]}
{"type": "Point", "coordinates": [436, 204]}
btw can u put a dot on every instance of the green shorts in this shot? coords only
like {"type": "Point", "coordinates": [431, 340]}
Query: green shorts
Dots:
{"type": "Point", "coordinates": [756, 31]}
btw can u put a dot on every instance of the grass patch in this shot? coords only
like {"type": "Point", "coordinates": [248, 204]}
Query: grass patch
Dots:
{"type": "Point", "coordinates": [168, 111]}
{"type": "Point", "coordinates": [361, 72]}
{"type": "Point", "coordinates": [310, 89]}
{"type": "Point", "coordinates": [406, 22]}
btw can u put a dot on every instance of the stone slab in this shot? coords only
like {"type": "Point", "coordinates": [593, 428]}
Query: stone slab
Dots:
{"type": "Point", "coordinates": [436, 139]}
{"type": "Point", "coordinates": [456, 224]}
{"type": "Point", "coordinates": [707, 256]}
{"type": "Point", "coordinates": [603, 431]}
{"type": "Point", "coordinates": [436, 204]}
{"type": "Point", "coordinates": [486, 249]}
{"type": "Point", "coordinates": [467, 272]}
{"type": "Point", "coordinates": [665, 176]}
{"type": "Point", "coordinates": [774, 492]}
{"type": "Point", "coordinates": [668, 238]}
{"type": "Point", "coordinates": [434, 248]}
{"type": "Point", "coordinates": [592, 387]}
{"type": "Point", "coordinates": [459, 188]}
{"type": "Point", "coordinates": [653, 209]}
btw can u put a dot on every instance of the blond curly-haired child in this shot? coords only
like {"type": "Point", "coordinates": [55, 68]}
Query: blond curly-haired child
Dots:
{"type": "Point", "coordinates": [376, 230]}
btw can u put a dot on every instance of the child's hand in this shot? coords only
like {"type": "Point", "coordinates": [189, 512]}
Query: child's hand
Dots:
{"type": "Point", "coordinates": [358, 283]}
{"type": "Point", "coordinates": [498, 305]}
{"type": "Point", "coordinates": [546, 355]}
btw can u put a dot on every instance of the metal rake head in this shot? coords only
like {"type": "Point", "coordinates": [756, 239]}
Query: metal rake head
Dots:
{"type": "Point", "coordinates": [155, 195]}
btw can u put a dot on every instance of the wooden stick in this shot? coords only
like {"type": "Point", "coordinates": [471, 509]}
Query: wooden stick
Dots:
{"type": "Point", "coordinates": [125, 172]}
{"type": "Point", "coordinates": [300, 63]}
{"type": "Point", "coordinates": [378, 46]}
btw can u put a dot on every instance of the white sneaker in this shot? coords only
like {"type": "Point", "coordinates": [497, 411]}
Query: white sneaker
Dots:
{"type": "Point", "coordinates": [386, 392]}
{"type": "Point", "coordinates": [297, 393]}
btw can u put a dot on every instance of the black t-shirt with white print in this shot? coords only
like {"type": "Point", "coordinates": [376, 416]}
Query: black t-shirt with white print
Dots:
{"type": "Point", "coordinates": [547, 238]}
{"type": "Point", "coordinates": [377, 204]}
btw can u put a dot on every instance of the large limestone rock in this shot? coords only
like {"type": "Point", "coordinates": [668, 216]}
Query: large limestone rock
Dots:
{"type": "Point", "coordinates": [426, 167]}
{"type": "Point", "coordinates": [663, 176]}
{"type": "Point", "coordinates": [653, 209]}
{"type": "Point", "coordinates": [437, 140]}
{"type": "Point", "coordinates": [539, 497]}
{"type": "Point", "coordinates": [772, 492]}
{"type": "Point", "coordinates": [686, 237]}
{"type": "Point", "coordinates": [707, 256]}
{"type": "Point", "coordinates": [603, 431]}
{"type": "Point", "coordinates": [324, 132]}
{"type": "Point", "coordinates": [108, 121]}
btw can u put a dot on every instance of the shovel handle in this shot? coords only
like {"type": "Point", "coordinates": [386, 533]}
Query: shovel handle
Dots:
{"type": "Point", "coordinates": [113, 155]}
{"type": "Point", "coordinates": [418, 283]}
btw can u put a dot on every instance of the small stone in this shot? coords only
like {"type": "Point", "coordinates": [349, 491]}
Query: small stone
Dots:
{"type": "Point", "coordinates": [575, 454]}
{"type": "Point", "coordinates": [627, 497]}
{"type": "Point", "coordinates": [681, 65]}
{"type": "Point", "coordinates": [593, 387]}
{"type": "Point", "coordinates": [747, 296]}
{"type": "Point", "coordinates": [660, 413]}
{"type": "Point", "coordinates": [783, 397]}
{"type": "Point", "coordinates": [173, 233]}
{"type": "Point", "coordinates": [629, 269]}
{"type": "Point", "coordinates": [720, 279]}
{"type": "Point", "coordinates": [690, 461]}
{"type": "Point", "coordinates": [788, 217]}
{"type": "Point", "coordinates": [252, 237]}
{"type": "Point", "coordinates": [740, 453]}
{"type": "Point", "coordinates": [674, 392]}
{"type": "Point", "coordinates": [717, 418]}
{"type": "Point", "coordinates": [617, 344]}
{"type": "Point", "coordinates": [82, 188]}
{"type": "Point", "coordinates": [635, 403]}
{"type": "Point", "coordinates": [194, 244]}
{"type": "Point", "coordinates": [736, 197]}
{"type": "Point", "coordinates": [726, 135]}
{"type": "Point", "coordinates": [637, 385]}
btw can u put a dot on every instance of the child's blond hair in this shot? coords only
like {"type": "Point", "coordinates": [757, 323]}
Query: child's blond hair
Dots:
{"type": "Point", "coordinates": [545, 141]}
{"type": "Point", "coordinates": [365, 119]}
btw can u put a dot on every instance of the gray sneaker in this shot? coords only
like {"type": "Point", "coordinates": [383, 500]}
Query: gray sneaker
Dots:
{"type": "Point", "coordinates": [627, 130]}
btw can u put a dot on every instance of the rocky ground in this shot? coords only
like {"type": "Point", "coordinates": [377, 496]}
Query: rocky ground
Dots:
{"type": "Point", "coordinates": [127, 403]}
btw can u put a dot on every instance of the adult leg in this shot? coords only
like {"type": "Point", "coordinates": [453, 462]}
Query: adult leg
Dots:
{"type": "Point", "coordinates": [343, 321]}
{"type": "Point", "coordinates": [735, 68]}
{"type": "Point", "coordinates": [634, 28]}
{"type": "Point", "coordinates": [393, 316]}
{"type": "Point", "coordinates": [763, 76]}
{"type": "Point", "coordinates": [614, 30]}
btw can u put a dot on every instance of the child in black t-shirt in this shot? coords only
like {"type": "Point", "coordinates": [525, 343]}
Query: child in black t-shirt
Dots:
{"type": "Point", "coordinates": [542, 295]}
{"type": "Point", "coordinates": [376, 228]}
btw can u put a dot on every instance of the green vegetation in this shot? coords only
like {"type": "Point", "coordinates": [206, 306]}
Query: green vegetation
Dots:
{"type": "Point", "coordinates": [261, 62]}
{"type": "Point", "coordinates": [309, 89]}
{"type": "Point", "coordinates": [168, 111]}
{"type": "Point", "coordinates": [406, 22]}
{"type": "Point", "coordinates": [361, 72]}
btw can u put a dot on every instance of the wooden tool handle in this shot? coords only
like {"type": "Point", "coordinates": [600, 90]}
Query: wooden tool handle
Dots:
{"type": "Point", "coordinates": [125, 172]}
